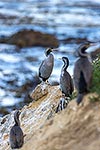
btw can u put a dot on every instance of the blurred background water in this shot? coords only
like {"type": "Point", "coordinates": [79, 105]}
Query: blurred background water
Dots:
{"type": "Point", "coordinates": [72, 19]}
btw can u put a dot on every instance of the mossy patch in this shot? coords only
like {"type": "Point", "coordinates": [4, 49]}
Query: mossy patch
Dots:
{"type": "Point", "coordinates": [96, 76]}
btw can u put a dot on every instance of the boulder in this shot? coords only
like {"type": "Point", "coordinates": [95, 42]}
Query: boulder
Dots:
{"type": "Point", "coordinates": [28, 38]}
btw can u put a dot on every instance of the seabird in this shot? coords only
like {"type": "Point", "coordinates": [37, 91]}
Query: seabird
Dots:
{"type": "Point", "coordinates": [47, 65]}
{"type": "Point", "coordinates": [83, 71]}
{"type": "Point", "coordinates": [66, 83]}
{"type": "Point", "coordinates": [16, 133]}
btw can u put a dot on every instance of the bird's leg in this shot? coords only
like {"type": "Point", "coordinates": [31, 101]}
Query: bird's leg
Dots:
{"type": "Point", "coordinates": [43, 85]}
{"type": "Point", "coordinates": [43, 82]}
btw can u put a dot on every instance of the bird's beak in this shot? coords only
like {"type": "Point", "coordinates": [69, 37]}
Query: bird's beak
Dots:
{"type": "Point", "coordinates": [94, 43]}
{"type": "Point", "coordinates": [60, 58]}
{"type": "Point", "coordinates": [93, 46]}
{"type": "Point", "coordinates": [55, 49]}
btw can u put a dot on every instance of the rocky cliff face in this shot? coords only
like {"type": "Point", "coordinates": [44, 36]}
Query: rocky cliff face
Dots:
{"type": "Point", "coordinates": [75, 128]}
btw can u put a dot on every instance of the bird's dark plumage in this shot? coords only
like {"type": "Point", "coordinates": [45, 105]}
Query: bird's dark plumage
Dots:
{"type": "Point", "coordinates": [82, 72]}
{"type": "Point", "coordinates": [66, 83]}
{"type": "Point", "coordinates": [82, 83]}
{"type": "Point", "coordinates": [46, 66]}
{"type": "Point", "coordinates": [16, 133]}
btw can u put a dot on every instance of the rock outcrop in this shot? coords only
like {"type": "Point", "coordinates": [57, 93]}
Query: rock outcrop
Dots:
{"type": "Point", "coordinates": [28, 38]}
{"type": "Point", "coordinates": [75, 128]}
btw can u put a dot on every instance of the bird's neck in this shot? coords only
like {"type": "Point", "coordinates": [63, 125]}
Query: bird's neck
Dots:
{"type": "Point", "coordinates": [17, 122]}
{"type": "Point", "coordinates": [65, 66]}
{"type": "Point", "coordinates": [49, 54]}
{"type": "Point", "coordinates": [82, 52]}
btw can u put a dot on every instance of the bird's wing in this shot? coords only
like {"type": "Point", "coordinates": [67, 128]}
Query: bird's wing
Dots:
{"type": "Point", "coordinates": [13, 134]}
{"type": "Point", "coordinates": [20, 136]}
{"type": "Point", "coordinates": [46, 67]}
{"type": "Point", "coordinates": [42, 63]}
{"type": "Point", "coordinates": [88, 71]}
{"type": "Point", "coordinates": [76, 74]}
{"type": "Point", "coordinates": [66, 80]}
{"type": "Point", "coordinates": [71, 85]}
{"type": "Point", "coordinates": [86, 67]}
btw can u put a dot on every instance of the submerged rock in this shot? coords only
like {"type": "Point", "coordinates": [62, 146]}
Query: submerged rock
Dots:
{"type": "Point", "coordinates": [28, 38]}
{"type": "Point", "coordinates": [74, 40]}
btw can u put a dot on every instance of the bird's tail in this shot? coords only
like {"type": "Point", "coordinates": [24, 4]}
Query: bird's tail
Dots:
{"type": "Point", "coordinates": [82, 83]}
{"type": "Point", "coordinates": [79, 98]}
{"type": "Point", "coordinates": [82, 88]}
